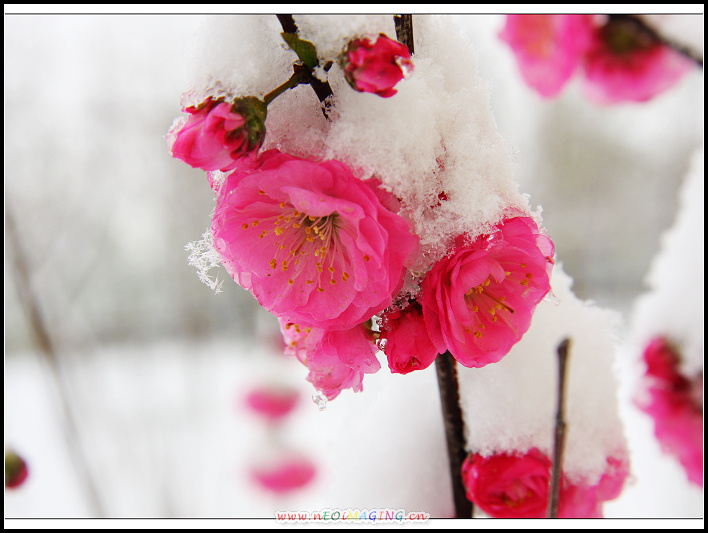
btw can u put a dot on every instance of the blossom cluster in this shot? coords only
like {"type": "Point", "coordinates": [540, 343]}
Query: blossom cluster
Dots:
{"type": "Point", "coordinates": [675, 403]}
{"type": "Point", "coordinates": [329, 253]}
{"type": "Point", "coordinates": [517, 485]}
{"type": "Point", "coordinates": [619, 60]}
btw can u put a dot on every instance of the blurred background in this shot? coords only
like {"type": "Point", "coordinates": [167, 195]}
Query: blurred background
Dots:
{"type": "Point", "coordinates": [124, 375]}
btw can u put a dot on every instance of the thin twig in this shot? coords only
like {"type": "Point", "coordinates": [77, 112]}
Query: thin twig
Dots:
{"type": "Point", "coordinates": [404, 30]}
{"type": "Point", "coordinates": [46, 346]}
{"type": "Point", "coordinates": [559, 436]}
{"type": "Point", "coordinates": [322, 88]}
{"type": "Point", "coordinates": [454, 431]}
{"type": "Point", "coordinates": [657, 36]}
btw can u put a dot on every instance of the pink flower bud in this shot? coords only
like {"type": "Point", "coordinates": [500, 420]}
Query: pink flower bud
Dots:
{"type": "Point", "coordinates": [218, 133]}
{"type": "Point", "coordinates": [376, 65]}
{"type": "Point", "coordinates": [405, 340]}
{"type": "Point", "coordinates": [16, 471]}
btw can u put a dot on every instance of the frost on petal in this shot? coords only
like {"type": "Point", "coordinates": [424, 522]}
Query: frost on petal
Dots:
{"type": "Point", "coordinates": [478, 301]}
{"type": "Point", "coordinates": [626, 64]}
{"type": "Point", "coordinates": [548, 48]}
{"type": "Point", "coordinates": [204, 257]}
{"type": "Point", "coordinates": [311, 242]}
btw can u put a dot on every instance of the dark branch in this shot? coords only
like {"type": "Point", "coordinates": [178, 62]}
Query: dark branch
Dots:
{"type": "Point", "coordinates": [454, 430]}
{"type": "Point", "coordinates": [404, 30]}
{"type": "Point", "coordinates": [559, 437]}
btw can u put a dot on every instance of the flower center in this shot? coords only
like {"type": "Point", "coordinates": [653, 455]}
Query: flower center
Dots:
{"type": "Point", "coordinates": [625, 36]}
{"type": "Point", "coordinates": [308, 246]}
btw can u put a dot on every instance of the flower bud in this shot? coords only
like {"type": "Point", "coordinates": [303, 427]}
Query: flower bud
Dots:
{"type": "Point", "coordinates": [218, 133]}
{"type": "Point", "coordinates": [15, 470]}
{"type": "Point", "coordinates": [376, 65]}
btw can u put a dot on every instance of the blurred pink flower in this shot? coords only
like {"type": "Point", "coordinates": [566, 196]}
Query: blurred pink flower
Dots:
{"type": "Point", "coordinates": [517, 485]}
{"type": "Point", "coordinates": [376, 65]}
{"type": "Point", "coordinates": [285, 475]}
{"type": "Point", "coordinates": [675, 403]}
{"type": "Point", "coordinates": [312, 243]}
{"type": "Point", "coordinates": [626, 64]}
{"type": "Point", "coordinates": [336, 359]}
{"type": "Point", "coordinates": [405, 340]}
{"type": "Point", "coordinates": [217, 133]}
{"type": "Point", "coordinates": [272, 402]}
{"type": "Point", "coordinates": [16, 470]}
{"type": "Point", "coordinates": [478, 301]}
{"type": "Point", "coordinates": [548, 48]}
{"type": "Point", "coordinates": [620, 61]}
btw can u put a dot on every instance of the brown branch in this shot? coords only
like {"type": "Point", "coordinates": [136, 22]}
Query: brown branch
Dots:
{"type": "Point", "coordinates": [404, 30]}
{"type": "Point", "coordinates": [322, 88]}
{"type": "Point", "coordinates": [454, 431]}
{"type": "Point", "coordinates": [559, 436]}
{"type": "Point", "coordinates": [43, 340]}
{"type": "Point", "coordinates": [653, 34]}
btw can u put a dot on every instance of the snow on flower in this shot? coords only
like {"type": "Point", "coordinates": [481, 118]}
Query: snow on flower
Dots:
{"type": "Point", "coordinates": [405, 340]}
{"type": "Point", "coordinates": [548, 48]}
{"type": "Point", "coordinates": [310, 241]}
{"type": "Point", "coordinates": [478, 301]}
{"type": "Point", "coordinates": [675, 403]}
{"type": "Point", "coordinates": [620, 61]}
{"type": "Point", "coordinates": [336, 359]}
{"type": "Point", "coordinates": [376, 65]}
{"type": "Point", "coordinates": [517, 485]}
{"type": "Point", "coordinates": [218, 133]}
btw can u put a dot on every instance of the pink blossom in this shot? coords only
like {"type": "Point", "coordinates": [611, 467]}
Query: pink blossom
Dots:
{"type": "Point", "coordinates": [407, 344]}
{"type": "Point", "coordinates": [285, 475]}
{"type": "Point", "coordinates": [376, 65]}
{"type": "Point", "coordinates": [272, 402]}
{"type": "Point", "coordinates": [218, 133]}
{"type": "Point", "coordinates": [312, 243]}
{"type": "Point", "coordinates": [518, 485]}
{"type": "Point", "coordinates": [676, 405]}
{"type": "Point", "coordinates": [548, 48]}
{"type": "Point", "coordinates": [478, 301]}
{"type": "Point", "coordinates": [626, 64]}
{"type": "Point", "coordinates": [507, 485]}
{"type": "Point", "coordinates": [16, 470]}
{"type": "Point", "coordinates": [336, 359]}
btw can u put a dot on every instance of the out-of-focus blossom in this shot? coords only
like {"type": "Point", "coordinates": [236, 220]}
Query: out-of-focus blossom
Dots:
{"type": "Point", "coordinates": [312, 243]}
{"type": "Point", "coordinates": [675, 403]}
{"type": "Point", "coordinates": [517, 485]}
{"type": "Point", "coordinates": [336, 359]}
{"type": "Point", "coordinates": [272, 402]}
{"type": "Point", "coordinates": [626, 64]}
{"type": "Point", "coordinates": [620, 61]}
{"type": "Point", "coordinates": [376, 65]}
{"type": "Point", "coordinates": [548, 48]}
{"type": "Point", "coordinates": [285, 475]}
{"type": "Point", "coordinates": [405, 340]}
{"type": "Point", "coordinates": [16, 470]}
{"type": "Point", "coordinates": [218, 133]}
{"type": "Point", "coordinates": [478, 301]}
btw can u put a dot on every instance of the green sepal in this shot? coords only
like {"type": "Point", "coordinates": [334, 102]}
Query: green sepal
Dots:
{"type": "Point", "coordinates": [305, 50]}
